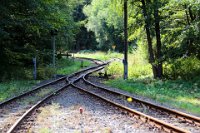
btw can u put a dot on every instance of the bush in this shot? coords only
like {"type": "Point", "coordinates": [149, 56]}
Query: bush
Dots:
{"type": "Point", "coordinates": [45, 72]}
{"type": "Point", "coordinates": [185, 68]}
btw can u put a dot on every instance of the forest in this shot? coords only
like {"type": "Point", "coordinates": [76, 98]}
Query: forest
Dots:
{"type": "Point", "coordinates": [165, 33]}
{"type": "Point", "coordinates": [105, 66]}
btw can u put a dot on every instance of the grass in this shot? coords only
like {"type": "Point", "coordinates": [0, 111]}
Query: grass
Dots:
{"type": "Point", "coordinates": [178, 93]}
{"type": "Point", "coordinates": [45, 113]}
{"type": "Point", "coordinates": [69, 66]}
{"type": "Point", "coordinates": [13, 88]}
{"type": "Point", "coordinates": [137, 64]}
{"type": "Point", "coordinates": [38, 96]}
{"type": "Point", "coordinates": [100, 55]}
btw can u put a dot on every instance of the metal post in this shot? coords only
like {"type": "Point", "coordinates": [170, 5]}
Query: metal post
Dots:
{"type": "Point", "coordinates": [54, 49]}
{"type": "Point", "coordinates": [35, 68]}
{"type": "Point", "coordinates": [125, 61]}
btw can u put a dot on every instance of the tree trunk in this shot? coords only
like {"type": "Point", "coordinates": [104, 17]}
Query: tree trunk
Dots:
{"type": "Point", "coordinates": [187, 16]}
{"type": "Point", "coordinates": [149, 40]}
{"type": "Point", "coordinates": [191, 14]}
{"type": "Point", "coordinates": [158, 41]}
{"type": "Point", "coordinates": [190, 19]}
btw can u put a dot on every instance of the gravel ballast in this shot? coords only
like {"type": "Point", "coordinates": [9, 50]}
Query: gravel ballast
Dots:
{"type": "Point", "coordinates": [10, 112]}
{"type": "Point", "coordinates": [141, 108]}
{"type": "Point", "coordinates": [62, 115]}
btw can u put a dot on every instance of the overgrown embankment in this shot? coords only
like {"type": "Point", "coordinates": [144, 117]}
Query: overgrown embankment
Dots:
{"type": "Point", "coordinates": [15, 87]}
{"type": "Point", "coordinates": [180, 88]}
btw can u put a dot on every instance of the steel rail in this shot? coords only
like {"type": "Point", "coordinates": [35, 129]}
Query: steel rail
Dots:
{"type": "Point", "coordinates": [31, 91]}
{"type": "Point", "coordinates": [41, 86]}
{"type": "Point", "coordinates": [11, 130]}
{"type": "Point", "coordinates": [190, 118]}
{"type": "Point", "coordinates": [173, 112]}
{"type": "Point", "coordinates": [158, 123]}
{"type": "Point", "coordinates": [90, 59]}
{"type": "Point", "coordinates": [29, 111]}
{"type": "Point", "coordinates": [155, 122]}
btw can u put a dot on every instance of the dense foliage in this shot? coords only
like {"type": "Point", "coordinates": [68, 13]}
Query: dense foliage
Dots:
{"type": "Point", "coordinates": [104, 20]}
{"type": "Point", "coordinates": [169, 30]}
{"type": "Point", "coordinates": [25, 27]}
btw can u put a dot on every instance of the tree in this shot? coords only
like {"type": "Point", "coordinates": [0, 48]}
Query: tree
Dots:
{"type": "Point", "coordinates": [25, 31]}
{"type": "Point", "coordinates": [108, 27]}
{"type": "Point", "coordinates": [84, 39]}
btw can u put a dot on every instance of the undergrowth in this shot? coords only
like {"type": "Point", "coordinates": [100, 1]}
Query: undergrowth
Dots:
{"type": "Point", "coordinates": [176, 93]}
{"type": "Point", "coordinates": [70, 66]}
{"type": "Point", "coordinates": [15, 87]}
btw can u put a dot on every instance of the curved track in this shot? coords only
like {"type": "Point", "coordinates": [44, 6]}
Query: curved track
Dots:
{"type": "Point", "coordinates": [68, 81]}
{"type": "Point", "coordinates": [172, 120]}
{"type": "Point", "coordinates": [98, 62]}
{"type": "Point", "coordinates": [163, 118]}
{"type": "Point", "coordinates": [12, 109]}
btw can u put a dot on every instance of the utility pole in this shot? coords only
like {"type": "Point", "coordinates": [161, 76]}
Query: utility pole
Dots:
{"type": "Point", "coordinates": [53, 41]}
{"type": "Point", "coordinates": [125, 61]}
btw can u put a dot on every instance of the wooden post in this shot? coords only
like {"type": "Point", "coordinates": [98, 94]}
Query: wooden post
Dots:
{"type": "Point", "coordinates": [54, 50]}
{"type": "Point", "coordinates": [54, 32]}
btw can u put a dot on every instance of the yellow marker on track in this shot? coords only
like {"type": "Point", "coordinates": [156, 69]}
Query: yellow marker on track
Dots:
{"type": "Point", "coordinates": [129, 99]}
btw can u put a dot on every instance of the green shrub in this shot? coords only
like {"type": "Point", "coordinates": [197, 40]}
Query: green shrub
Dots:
{"type": "Point", "coordinates": [185, 68]}
{"type": "Point", "coordinates": [45, 72]}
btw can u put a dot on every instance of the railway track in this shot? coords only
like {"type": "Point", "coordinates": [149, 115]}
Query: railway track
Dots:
{"type": "Point", "coordinates": [96, 61]}
{"type": "Point", "coordinates": [12, 109]}
{"type": "Point", "coordinates": [24, 122]}
{"type": "Point", "coordinates": [167, 119]}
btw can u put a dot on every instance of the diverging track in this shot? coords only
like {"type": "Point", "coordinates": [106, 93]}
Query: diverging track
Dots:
{"type": "Point", "coordinates": [31, 119]}
{"type": "Point", "coordinates": [164, 118]}
{"type": "Point", "coordinates": [14, 110]}
{"type": "Point", "coordinates": [79, 90]}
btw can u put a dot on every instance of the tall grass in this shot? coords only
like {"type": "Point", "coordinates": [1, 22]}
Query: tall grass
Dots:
{"type": "Point", "coordinates": [138, 65]}
{"type": "Point", "coordinates": [100, 55]}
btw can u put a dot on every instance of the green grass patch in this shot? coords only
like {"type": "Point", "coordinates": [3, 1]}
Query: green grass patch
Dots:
{"type": "Point", "coordinates": [14, 88]}
{"type": "Point", "coordinates": [66, 66]}
{"type": "Point", "coordinates": [100, 55]}
{"type": "Point", "coordinates": [176, 93]}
